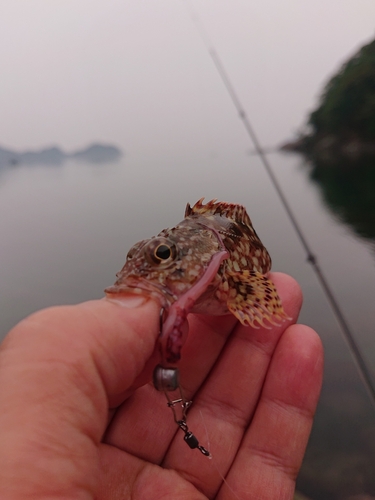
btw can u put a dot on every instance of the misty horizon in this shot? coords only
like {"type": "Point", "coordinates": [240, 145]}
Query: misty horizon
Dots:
{"type": "Point", "coordinates": [138, 74]}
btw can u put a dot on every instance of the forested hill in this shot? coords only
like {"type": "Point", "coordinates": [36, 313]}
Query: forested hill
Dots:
{"type": "Point", "coordinates": [344, 121]}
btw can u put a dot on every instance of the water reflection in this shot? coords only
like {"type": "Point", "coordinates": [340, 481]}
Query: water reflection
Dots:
{"type": "Point", "coordinates": [339, 460]}
{"type": "Point", "coordinates": [69, 230]}
{"type": "Point", "coordinates": [348, 189]}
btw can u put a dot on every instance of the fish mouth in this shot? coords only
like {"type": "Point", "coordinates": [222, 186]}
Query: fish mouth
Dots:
{"type": "Point", "coordinates": [143, 287]}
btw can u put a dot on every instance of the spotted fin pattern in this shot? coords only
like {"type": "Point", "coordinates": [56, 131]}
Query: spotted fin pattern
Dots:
{"type": "Point", "coordinates": [245, 289]}
{"type": "Point", "coordinates": [253, 298]}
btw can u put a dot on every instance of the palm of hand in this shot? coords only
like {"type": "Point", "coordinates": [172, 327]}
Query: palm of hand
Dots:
{"type": "Point", "coordinates": [254, 393]}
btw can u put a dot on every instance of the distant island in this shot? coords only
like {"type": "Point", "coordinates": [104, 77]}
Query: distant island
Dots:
{"type": "Point", "coordinates": [95, 153]}
{"type": "Point", "coordinates": [343, 125]}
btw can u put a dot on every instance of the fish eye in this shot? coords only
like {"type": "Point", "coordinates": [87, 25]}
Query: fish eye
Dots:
{"type": "Point", "coordinates": [163, 252]}
{"type": "Point", "coordinates": [160, 251]}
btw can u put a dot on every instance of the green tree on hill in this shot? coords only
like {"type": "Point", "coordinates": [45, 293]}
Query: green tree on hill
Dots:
{"type": "Point", "coordinates": [347, 105]}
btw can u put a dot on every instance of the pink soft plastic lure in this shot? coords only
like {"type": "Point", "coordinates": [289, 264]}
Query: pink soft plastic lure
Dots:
{"type": "Point", "coordinates": [212, 262]}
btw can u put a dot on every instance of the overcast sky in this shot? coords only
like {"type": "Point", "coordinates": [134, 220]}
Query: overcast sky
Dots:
{"type": "Point", "coordinates": [137, 74]}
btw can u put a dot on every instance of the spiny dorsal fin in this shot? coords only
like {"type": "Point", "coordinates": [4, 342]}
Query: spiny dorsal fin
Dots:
{"type": "Point", "coordinates": [232, 211]}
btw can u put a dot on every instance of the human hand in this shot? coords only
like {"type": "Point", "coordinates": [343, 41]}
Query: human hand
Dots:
{"type": "Point", "coordinates": [78, 419]}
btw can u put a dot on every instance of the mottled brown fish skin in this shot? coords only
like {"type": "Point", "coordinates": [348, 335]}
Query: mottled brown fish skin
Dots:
{"type": "Point", "coordinates": [245, 289]}
{"type": "Point", "coordinates": [191, 249]}
{"type": "Point", "coordinates": [168, 265]}
{"type": "Point", "coordinates": [246, 251]}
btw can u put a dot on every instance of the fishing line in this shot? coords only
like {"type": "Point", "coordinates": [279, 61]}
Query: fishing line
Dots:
{"type": "Point", "coordinates": [213, 460]}
{"type": "Point", "coordinates": [310, 257]}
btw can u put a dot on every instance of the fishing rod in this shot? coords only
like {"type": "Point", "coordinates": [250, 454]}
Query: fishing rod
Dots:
{"type": "Point", "coordinates": [360, 363]}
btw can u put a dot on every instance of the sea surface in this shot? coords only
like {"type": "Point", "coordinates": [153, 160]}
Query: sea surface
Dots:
{"type": "Point", "coordinates": [65, 231]}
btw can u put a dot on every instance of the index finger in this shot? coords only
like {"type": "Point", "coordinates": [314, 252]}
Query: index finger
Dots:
{"type": "Point", "coordinates": [207, 358]}
{"type": "Point", "coordinates": [109, 339]}
{"type": "Point", "coordinates": [60, 369]}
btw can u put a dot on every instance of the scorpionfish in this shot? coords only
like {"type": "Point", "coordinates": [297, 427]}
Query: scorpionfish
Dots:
{"type": "Point", "coordinates": [212, 262]}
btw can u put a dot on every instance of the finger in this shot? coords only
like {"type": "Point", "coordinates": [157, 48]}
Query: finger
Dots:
{"type": "Point", "coordinates": [59, 370]}
{"type": "Point", "coordinates": [272, 451]}
{"type": "Point", "coordinates": [146, 412]}
{"type": "Point", "coordinates": [225, 405]}
{"type": "Point", "coordinates": [124, 476]}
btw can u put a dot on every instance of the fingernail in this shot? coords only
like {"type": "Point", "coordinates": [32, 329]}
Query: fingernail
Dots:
{"type": "Point", "coordinates": [128, 300]}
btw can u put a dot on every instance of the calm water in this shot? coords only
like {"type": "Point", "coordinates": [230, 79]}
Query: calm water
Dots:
{"type": "Point", "coordinates": [65, 232]}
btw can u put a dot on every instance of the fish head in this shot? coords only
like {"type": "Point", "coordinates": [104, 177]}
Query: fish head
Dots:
{"type": "Point", "coordinates": [166, 266]}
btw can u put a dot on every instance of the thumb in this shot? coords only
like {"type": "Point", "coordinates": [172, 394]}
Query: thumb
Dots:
{"type": "Point", "coordinates": [60, 370]}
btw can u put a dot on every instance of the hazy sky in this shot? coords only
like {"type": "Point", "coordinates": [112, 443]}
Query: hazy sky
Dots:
{"type": "Point", "coordinates": [136, 72]}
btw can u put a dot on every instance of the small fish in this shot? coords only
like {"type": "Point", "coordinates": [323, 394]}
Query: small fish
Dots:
{"type": "Point", "coordinates": [212, 262]}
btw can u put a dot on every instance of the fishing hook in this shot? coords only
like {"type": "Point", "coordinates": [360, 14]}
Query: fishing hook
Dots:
{"type": "Point", "coordinates": [167, 379]}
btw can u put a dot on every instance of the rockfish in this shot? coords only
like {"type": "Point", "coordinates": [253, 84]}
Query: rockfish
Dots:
{"type": "Point", "coordinates": [212, 262]}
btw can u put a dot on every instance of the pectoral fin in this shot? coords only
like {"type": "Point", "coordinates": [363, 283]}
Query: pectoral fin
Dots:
{"type": "Point", "coordinates": [253, 298]}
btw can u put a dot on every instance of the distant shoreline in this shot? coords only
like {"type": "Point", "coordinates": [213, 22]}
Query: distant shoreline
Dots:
{"type": "Point", "coordinates": [94, 153]}
{"type": "Point", "coordinates": [330, 147]}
